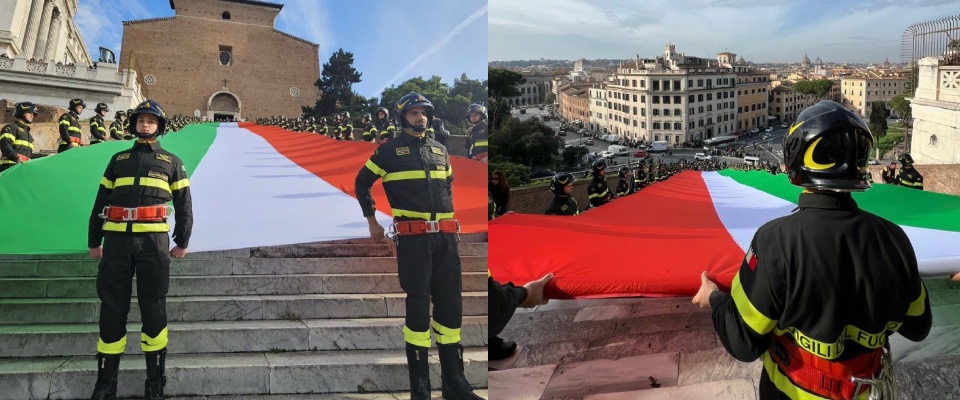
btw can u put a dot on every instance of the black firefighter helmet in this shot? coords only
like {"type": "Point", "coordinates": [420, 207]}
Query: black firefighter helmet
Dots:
{"type": "Point", "coordinates": [905, 159]}
{"type": "Point", "coordinates": [24, 107]}
{"type": "Point", "coordinates": [560, 181]}
{"type": "Point", "coordinates": [150, 107]}
{"type": "Point", "coordinates": [409, 101]}
{"type": "Point", "coordinates": [828, 148]}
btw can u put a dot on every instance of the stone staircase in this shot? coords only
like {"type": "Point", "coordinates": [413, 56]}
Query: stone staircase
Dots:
{"type": "Point", "coordinates": [320, 318]}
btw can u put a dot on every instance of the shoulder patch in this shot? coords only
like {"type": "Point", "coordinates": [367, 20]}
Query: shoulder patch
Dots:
{"type": "Point", "coordinates": [123, 156]}
{"type": "Point", "coordinates": [564, 208]}
{"type": "Point", "coordinates": [402, 151]}
{"type": "Point", "coordinates": [436, 150]}
{"type": "Point", "coordinates": [164, 157]}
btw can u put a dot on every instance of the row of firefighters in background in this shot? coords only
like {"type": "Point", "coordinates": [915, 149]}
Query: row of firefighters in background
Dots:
{"type": "Point", "coordinates": [17, 143]}
{"type": "Point", "coordinates": [383, 128]}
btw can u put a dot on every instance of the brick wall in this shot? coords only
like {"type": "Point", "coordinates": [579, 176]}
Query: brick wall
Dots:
{"type": "Point", "coordinates": [944, 178]}
{"type": "Point", "coordinates": [183, 54]}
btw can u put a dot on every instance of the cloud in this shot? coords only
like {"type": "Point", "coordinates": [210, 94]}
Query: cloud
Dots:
{"type": "Point", "coordinates": [434, 48]}
{"type": "Point", "coordinates": [99, 22]}
{"type": "Point", "coordinates": [309, 20]}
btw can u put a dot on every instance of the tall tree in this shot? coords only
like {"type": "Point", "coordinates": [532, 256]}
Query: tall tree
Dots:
{"type": "Point", "coordinates": [878, 119]}
{"type": "Point", "coordinates": [819, 87]}
{"type": "Point", "coordinates": [902, 106]}
{"type": "Point", "coordinates": [450, 103]}
{"type": "Point", "coordinates": [336, 85]}
{"type": "Point", "coordinates": [501, 83]}
{"type": "Point", "coordinates": [527, 142]}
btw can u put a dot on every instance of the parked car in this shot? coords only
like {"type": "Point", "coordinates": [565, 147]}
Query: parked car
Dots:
{"type": "Point", "coordinates": [541, 173]}
{"type": "Point", "coordinates": [755, 130]}
{"type": "Point", "coordinates": [874, 161]}
{"type": "Point", "coordinates": [641, 154]}
{"type": "Point", "coordinates": [783, 125]}
{"type": "Point", "coordinates": [563, 133]}
{"type": "Point", "coordinates": [768, 130]}
{"type": "Point", "coordinates": [588, 142]}
{"type": "Point", "coordinates": [702, 157]}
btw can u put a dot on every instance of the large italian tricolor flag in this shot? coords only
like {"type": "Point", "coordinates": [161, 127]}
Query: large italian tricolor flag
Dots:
{"type": "Point", "coordinates": [251, 186]}
{"type": "Point", "coordinates": [658, 241]}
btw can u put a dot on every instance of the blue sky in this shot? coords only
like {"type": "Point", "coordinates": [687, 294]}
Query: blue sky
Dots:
{"type": "Point", "coordinates": [759, 30]}
{"type": "Point", "coordinates": [391, 41]}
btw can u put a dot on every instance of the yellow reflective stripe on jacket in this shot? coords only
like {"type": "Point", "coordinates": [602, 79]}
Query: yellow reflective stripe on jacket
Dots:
{"type": "Point", "coordinates": [446, 335]}
{"type": "Point", "coordinates": [375, 168]}
{"type": "Point", "coordinates": [406, 175]}
{"type": "Point", "coordinates": [605, 192]}
{"type": "Point", "coordinates": [148, 343]}
{"type": "Point", "coordinates": [73, 129]}
{"type": "Point", "coordinates": [422, 215]}
{"type": "Point", "coordinates": [138, 227]}
{"type": "Point", "coordinates": [64, 121]}
{"type": "Point", "coordinates": [910, 183]}
{"type": "Point", "coordinates": [783, 383]}
{"type": "Point", "coordinates": [144, 181]}
{"type": "Point", "coordinates": [917, 307]}
{"type": "Point", "coordinates": [112, 348]}
{"type": "Point", "coordinates": [760, 323]}
{"type": "Point", "coordinates": [478, 143]}
{"type": "Point", "coordinates": [8, 136]}
{"type": "Point", "coordinates": [421, 339]}
{"type": "Point", "coordinates": [180, 184]}
{"type": "Point", "coordinates": [106, 183]}
{"type": "Point", "coordinates": [6, 161]}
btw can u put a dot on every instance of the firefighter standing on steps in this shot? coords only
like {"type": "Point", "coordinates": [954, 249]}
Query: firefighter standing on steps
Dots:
{"type": "Point", "coordinates": [116, 127]}
{"type": "Point", "coordinates": [598, 190]}
{"type": "Point", "coordinates": [133, 196]}
{"type": "Point", "coordinates": [384, 124]}
{"type": "Point", "coordinates": [98, 128]}
{"type": "Point", "coordinates": [70, 126]}
{"type": "Point", "coordinates": [417, 179]}
{"type": "Point", "coordinates": [16, 142]}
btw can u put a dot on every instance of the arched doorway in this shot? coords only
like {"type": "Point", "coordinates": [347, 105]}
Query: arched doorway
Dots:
{"type": "Point", "coordinates": [223, 105]}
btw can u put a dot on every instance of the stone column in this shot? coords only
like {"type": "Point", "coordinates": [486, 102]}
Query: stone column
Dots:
{"type": "Point", "coordinates": [41, 46]}
{"type": "Point", "coordinates": [54, 38]}
{"type": "Point", "coordinates": [33, 25]}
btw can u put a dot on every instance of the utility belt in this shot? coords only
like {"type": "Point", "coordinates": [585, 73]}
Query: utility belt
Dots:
{"type": "Point", "coordinates": [870, 372]}
{"type": "Point", "coordinates": [74, 141]}
{"type": "Point", "coordinates": [136, 214]}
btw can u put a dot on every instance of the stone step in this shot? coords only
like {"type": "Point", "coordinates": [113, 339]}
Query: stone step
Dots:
{"type": "Point", "coordinates": [232, 374]}
{"type": "Point", "coordinates": [335, 396]}
{"type": "Point", "coordinates": [224, 285]}
{"type": "Point", "coordinates": [228, 308]}
{"type": "Point", "coordinates": [229, 336]}
{"type": "Point", "coordinates": [229, 266]}
{"type": "Point", "coordinates": [309, 250]}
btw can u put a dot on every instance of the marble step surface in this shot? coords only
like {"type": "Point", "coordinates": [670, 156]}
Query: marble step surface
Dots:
{"type": "Point", "coordinates": [229, 266]}
{"type": "Point", "coordinates": [356, 371]}
{"type": "Point", "coordinates": [229, 336]}
{"type": "Point", "coordinates": [228, 285]}
{"type": "Point", "coordinates": [312, 250]}
{"type": "Point", "coordinates": [228, 308]}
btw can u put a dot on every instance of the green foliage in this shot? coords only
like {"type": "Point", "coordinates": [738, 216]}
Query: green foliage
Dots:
{"type": "Point", "coordinates": [819, 88]}
{"type": "Point", "coordinates": [336, 86]}
{"type": "Point", "coordinates": [450, 103]}
{"type": "Point", "coordinates": [878, 119]}
{"type": "Point", "coordinates": [902, 106]}
{"type": "Point", "coordinates": [550, 98]}
{"type": "Point", "coordinates": [517, 174]}
{"type": "Point", "coordinates": [894, 137]}
{"type": "Point", "coordinates": [502, 83]}
{"type": "Point", "coordinates": [571, 155]}
{"type": "Point", "coordinates": [526, 142]}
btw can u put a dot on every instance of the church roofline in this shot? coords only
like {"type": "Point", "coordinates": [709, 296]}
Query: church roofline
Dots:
{"type": "Point", "coordinates": [249, 2]}
{"type": "Point", "coordinates": [296, 38]}
{"type": "Point", "coordinates": [137, 21]}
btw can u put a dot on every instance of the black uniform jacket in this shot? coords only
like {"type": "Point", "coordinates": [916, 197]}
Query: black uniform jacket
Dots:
{"type": "Point", "coordinates": [145, 175]}
{"type": "Point", "coordinates": [417, 178]}
{"type": "Point", "coordinates": [831, 278]}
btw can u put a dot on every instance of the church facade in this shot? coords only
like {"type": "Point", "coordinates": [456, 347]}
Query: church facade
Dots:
{"type": "Point", "coordinates": [222, 59]}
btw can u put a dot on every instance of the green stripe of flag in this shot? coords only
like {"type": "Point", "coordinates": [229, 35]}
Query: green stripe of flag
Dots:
{"type": "Point", "coordinates": [903, 206]}
{"type": "Point", "coordinates": [45, 204]}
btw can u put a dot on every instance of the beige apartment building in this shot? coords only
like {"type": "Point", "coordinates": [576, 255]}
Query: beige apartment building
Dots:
{"type": "Point", "coordinates": [672, 97]}
{"type": "Point", "coordinates": [858, 93]}
{"type": "Point", "coordinates": [752, 92]}
{"type": "Point", "coordinates": [786, 104]}
{"type": "Point", "coordinates": [574, 103]}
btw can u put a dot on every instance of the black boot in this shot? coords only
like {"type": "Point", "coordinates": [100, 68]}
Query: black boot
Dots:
{"type": "Point", "coordinates": [500, 350]}
{"type": "Point", "coordinates": [108, 367]}
{"type": "Point", "coordinates": [419, 372]}
{"type": "Point", "coordinates": [455, 385]}
{"type": "Point", "coordinates": [153, 387]}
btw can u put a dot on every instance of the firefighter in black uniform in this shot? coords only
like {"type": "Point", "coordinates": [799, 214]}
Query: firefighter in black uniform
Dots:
{"type": "Point", "coordinates": [623, 186]}
{"type": "Point", "coordinates": [133, 196]}
{"type": "Point", "coordinates": [820, 291]}
{"type": "Point", "coordinates": [116, 127]}
{"type": "Point", "coordinates": [346, 126]}
{"type": "Point", "coordinates": [640, 178]}
{"type": "Point", "coordinates": [598, 190]}
{"type": "Point", "coordinates": [127, 133]}
{"type": "Point", "coordinates": [16, 142]}
{"type": "Point", "coordinates": [369, 130]}
{"type": "Point", "coordinates": [333, 130]}
{"type": "Point", "coordinates": [417, 178]}
{"type": "Point", "coordinates": [563, 203]}
{"type": "Point", "coordinates": [70, 126]}
{"type": "Point", "coordinates": [909, 176]}
{"type": "Point", "coordinates": [98, 128]}
{"type": "Point", "coordinates": [476, 143]}
{"type": "Point", "coordinates": [889, 174]}
{"type": "Point", "coordinates": [384, 124]}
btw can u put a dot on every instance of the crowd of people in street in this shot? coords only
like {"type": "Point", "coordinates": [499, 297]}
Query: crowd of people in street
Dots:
{"type": "Point", "coordinates": [17, 144]}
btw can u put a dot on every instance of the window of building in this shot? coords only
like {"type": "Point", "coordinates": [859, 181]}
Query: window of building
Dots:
{"type": "Point", "coordinates": [709, 96]}
{"type": "Point", "coordinates": [700, 123]}
{"type": "Point", "coordinates": [691, 111]}
{"type": "Point", "coordinates": [666, 112]}
{"type": "Point", "coordinates": [626, 121]}
{"type": "Point", "coordinates": [643, 112]}
{"type": "Point", "coordinates": [656, 125]}
{"type": "Point", "coordinates": [699, 82]}
{"type": "Point", "coordinates": [226, 55]}
{"type": "Point", "coordinates": [700, 110]}
{"type": "Point", "coordinates": [691, 99]}
{"type": "Point", "coordinates": [656, 99]}
{"type": "Point", "coordinates": [656, 112]}
{"type": "Point", "coordinates": [691, 125]}
{"type": "Point", "coordinates": [709, 121]}
{"type": "Point", "coordinates": [677, 99]}
{"type": "Point", "coordinates": [689, 83]}
{"type": "Point", "coordinates": [677, 126]}
{"type": "Point", "coordinates": [709, 107]}
{"type": "Point", "coordinates": [634, 123]}
{"type": "Point", "coordinates": [676, 112]}
{"type": "Point", "coordinates": [656, 137]}
{"type": "Point", "coordinates": [656, 85]}
{"type": "Point", "coordinates": [634, 83]}
{"type": "Point", "coordinates": [699, 97]}
{"type": "Point", "coordinates": [634, 111]}
{"type": "Point", "coordinates": [666, 99]}
{"type": "Point", "coordinates": [726, 81]}
{"type": "Point", "coordinates": [634, 98]}
{"type": "Point", "coordinates": [643, 99]}
{"type": "Point", "coordinates": [666, 126]}
{"type": "Point", "coordinates": [676, 84]}
{"type": "Point", "coordinates": [643, 83]}
{"type": "Point", "coordinates": [643, 124]}
{"type": "Point", "coordinates": [225, 15]}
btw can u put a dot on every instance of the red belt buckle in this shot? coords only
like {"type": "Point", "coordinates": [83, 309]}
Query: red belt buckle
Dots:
{"type": "Point", "coordinates": [130, 214]}
{"type": "Point", "coordinates": [431, 226]}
